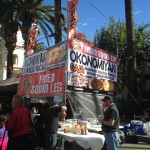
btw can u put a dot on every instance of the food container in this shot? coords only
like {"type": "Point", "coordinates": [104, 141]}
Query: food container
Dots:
{"type": "Point", "coordinates": [82, 122]}
{"type": "Point", "coordinates": [65, 126]}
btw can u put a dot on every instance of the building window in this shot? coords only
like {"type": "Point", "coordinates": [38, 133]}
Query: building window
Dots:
{"type": "Point", "coordinates": [15, 59]}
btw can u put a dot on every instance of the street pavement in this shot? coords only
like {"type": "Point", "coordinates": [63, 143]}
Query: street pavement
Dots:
{"type": "Point", "coordinates": [136, 146]}
{"type": "Point", "coordinates": [143, 144]}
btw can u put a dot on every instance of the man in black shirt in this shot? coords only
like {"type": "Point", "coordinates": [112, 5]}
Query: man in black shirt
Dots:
{"type": "Point", "coordinates": [110, 123]}
{"type": "Point", "coordinates": [51, 124]}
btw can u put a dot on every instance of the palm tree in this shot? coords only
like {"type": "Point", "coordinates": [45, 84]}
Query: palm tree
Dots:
{"type": "Point", "coordinates": [30, 11]}
{"type": "Point", "coordinates": [44, 16]}
{"type": "Point", "coordinates": [22, 13]}
{"type": "Point", "coordinates": [9, 23]}
{"type": "Point", "coordinates": [132, 68]}
{"type": "Point", "coordinates": [58, 31]}
{"type": "Point", "coordinates": [39, 46]}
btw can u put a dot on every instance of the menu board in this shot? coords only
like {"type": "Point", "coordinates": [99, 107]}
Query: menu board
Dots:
{"type": "Point", "coordinates": [73, 65]}
{"type": "Point", "coordinates": [43, 73]}
{"type": "Point", "coordinates": [90, 67]}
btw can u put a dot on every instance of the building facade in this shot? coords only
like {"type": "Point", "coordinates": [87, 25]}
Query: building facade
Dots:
{"type": "Point", "coordinates": [18, 57]}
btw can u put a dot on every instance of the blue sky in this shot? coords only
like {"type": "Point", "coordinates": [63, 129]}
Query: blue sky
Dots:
{"type": "Point", "coordinates": [90, 18]}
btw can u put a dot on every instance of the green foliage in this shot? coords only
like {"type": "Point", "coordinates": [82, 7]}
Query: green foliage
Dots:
{"type": "Point", "coordinates": [22, 13]}
{"type": "Point", "coordinates": [112, 38]}
{"type": "Point", "coordinates": [9, 23]}
{"type": "Point", "coordinates": [142, 45]}
{"type": "Point", "coordinates": [40, 46]}
{"type": "Point", "coordinates": [44, 15]}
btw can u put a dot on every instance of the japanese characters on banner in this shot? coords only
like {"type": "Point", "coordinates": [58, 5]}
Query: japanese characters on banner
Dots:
{"type": "Point", "coordinates": [35, 63]}
{"type": "Point", "coordinates": [73, 18]}
{"type": "Point", "coordinates": [90, 67]}
{"type": "Point", "coordinates": [32, 39]}
{"type": "Point", "coordinates": [43, 73]}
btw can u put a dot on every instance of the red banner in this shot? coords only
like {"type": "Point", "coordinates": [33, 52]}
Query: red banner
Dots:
{"type": "Point", "coordinates": [43, 73]}
{"type": "Point", "coordinates": [47, 83]}
{"type": "Point", "coordinates": [73, 18]}
{"type": "Point", "coordinates": [32, 38]}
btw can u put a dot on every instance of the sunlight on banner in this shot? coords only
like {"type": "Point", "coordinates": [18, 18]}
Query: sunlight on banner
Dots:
{"type": "Point", "coordinates": [34, 32]}
{"type": "Point", "coordinates": [73, 18]}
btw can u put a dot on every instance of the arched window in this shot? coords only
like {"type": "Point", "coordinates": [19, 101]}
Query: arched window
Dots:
{"type": "Point", "coordinates": [15, 59]}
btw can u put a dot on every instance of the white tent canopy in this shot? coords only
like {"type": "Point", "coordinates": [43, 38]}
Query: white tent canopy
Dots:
{"type": "Point", "coordinates": [10, 81]}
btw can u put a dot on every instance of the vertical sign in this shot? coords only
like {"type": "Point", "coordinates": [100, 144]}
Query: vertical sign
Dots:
{"type": "Point", "coordinates": [32, 39]}
{"type": "Point", "coordinates": [73, 18]}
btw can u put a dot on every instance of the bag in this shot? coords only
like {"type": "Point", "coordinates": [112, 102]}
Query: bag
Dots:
{"type": "Point", "coordinates": [33, 139]}
{"type": "Point", "coordinates": [2, 140]}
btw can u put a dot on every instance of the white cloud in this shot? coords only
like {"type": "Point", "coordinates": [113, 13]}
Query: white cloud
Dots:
{"type": "Point", "coordinates": [84, 24]}
{"type": "Point", "coordinates": [137, 12]}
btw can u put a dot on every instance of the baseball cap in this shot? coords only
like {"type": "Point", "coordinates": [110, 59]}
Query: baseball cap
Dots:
{"type": "Point", "coordinates": [55, 102]}
{"type": "Point", "coordinates": [107, 97]}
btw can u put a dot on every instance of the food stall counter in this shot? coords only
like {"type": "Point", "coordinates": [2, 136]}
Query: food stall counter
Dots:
{"type": "Point", "coordinates": [93, 141]}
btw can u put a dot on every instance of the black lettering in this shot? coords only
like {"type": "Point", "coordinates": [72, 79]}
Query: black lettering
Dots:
{"type": "Point", "coordinates": [92, 62]}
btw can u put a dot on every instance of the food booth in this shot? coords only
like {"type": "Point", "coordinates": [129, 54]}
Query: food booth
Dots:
{"type": "Point", "coordinates": [76, 74]}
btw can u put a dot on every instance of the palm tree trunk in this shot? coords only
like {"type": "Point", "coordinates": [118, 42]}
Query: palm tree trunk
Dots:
{"type": "Point", "coordinates": [9, 63]}
{"type": "Point", "coordinates": [58, 31]}
{"type": "Point", "coordinates": [25, 28]}
{"type": "Point", "coordinates": [132, 68]}
{"type": "Point", "coordinates": [10, 37]}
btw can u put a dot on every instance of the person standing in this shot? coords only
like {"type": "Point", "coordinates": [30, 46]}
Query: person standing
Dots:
{"type": "Point", "coordinates": [3, 133]}
{"type": "Point", "coordinates": [18, 125]}
{"type": "Point", "coordinates": [110, 123]}
{"type": "Point", "coordinates": [39, 125]}
{"type": "Point", "coordinates": [52, 123]}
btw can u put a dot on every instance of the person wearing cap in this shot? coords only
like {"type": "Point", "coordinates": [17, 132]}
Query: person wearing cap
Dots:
{"type": "Point", "coordinates": [52, 123]}
{"type": "Point", "coordinates": [110, 123]}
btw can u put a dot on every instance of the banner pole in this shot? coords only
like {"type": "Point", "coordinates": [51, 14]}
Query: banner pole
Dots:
{"type": "Point", "coordinates": [66, 62]}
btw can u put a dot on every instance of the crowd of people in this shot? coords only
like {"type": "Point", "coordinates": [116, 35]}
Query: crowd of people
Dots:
{"type": "Point", "coordinates": [14, 128]}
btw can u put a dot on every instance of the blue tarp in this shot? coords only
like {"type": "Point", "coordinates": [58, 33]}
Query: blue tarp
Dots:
{"type": "Point", "coordinates": [136, 129]}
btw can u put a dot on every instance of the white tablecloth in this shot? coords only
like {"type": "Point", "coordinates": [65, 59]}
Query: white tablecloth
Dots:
{"type": "Point", "coordinates": [97, 128]}
{"type": "Point", "coordinates": [91, 140]}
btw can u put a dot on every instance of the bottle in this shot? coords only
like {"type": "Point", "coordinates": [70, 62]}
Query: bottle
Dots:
{"type": "Point", "coordinates": [82, 131]}
{"type": "Point", "coordinates": [75, 129]}
{"type": "Point", "coordinates": [85, 129]}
